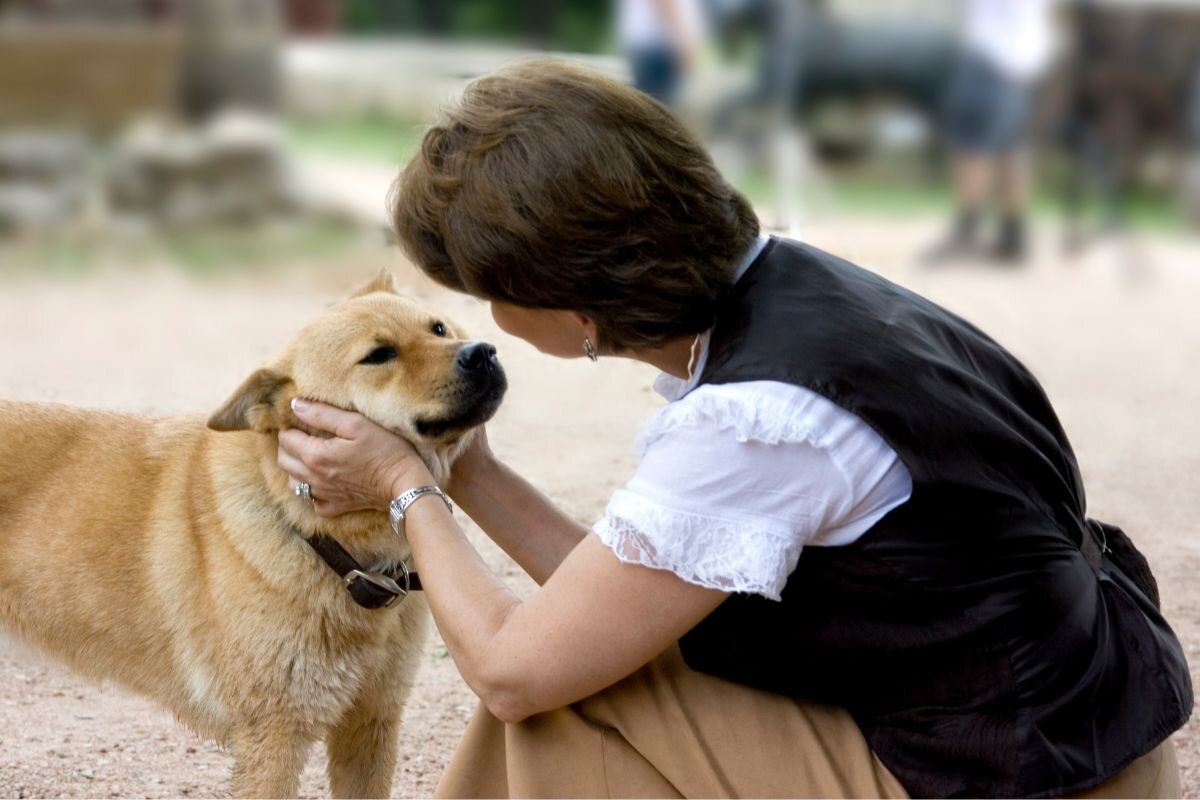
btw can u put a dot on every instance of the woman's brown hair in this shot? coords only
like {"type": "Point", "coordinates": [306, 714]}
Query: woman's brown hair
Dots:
{"type": "Point", "coordinates": [551, 186]}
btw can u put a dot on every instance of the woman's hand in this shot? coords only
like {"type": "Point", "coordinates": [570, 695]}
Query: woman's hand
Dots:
{"type": "Point", "coordinates": [473, 461]}
{"type": "Point", "coordinates": [362, 467]}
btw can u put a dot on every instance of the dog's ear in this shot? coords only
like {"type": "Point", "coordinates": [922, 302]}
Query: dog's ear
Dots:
{"type": "Point", "coordinates": [385, 281]}
{"type": "Point", "coordinates": [254, 406]}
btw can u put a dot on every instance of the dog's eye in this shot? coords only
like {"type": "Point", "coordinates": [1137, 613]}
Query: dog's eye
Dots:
{"type": "Point", "coordinates": [438, 329]}
{"type": "Point", "coordinates": [379, 355]}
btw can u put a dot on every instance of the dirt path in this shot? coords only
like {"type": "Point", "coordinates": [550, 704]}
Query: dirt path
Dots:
{"type": "Point", "coordinates": [1118, 360]}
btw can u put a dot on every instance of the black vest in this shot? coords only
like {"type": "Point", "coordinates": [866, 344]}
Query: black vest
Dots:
{"type": "Point", "coordinates": [979, 650]}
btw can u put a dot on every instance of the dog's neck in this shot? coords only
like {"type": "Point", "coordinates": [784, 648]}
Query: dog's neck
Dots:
{"type": "Point", "coordinates": [367, 534]}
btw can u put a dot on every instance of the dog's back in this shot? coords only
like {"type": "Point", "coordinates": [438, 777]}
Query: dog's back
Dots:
{"type": "Point", "coordinates": [73, 534]}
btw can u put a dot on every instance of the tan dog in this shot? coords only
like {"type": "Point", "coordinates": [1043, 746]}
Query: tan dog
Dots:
{"type": "Point", "coordinates": [171, 557]}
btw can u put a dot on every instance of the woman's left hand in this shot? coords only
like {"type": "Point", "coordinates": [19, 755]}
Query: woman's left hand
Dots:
{"type": "Point", "coordinates": [362, 467]}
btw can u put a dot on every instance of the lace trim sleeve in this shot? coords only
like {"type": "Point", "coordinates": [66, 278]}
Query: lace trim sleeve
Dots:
{"type": "Point", "coordinates": [729, 555]}
{"type": "Point", "coordinates": [736, 479]}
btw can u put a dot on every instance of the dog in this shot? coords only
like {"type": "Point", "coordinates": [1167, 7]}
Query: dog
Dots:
{"type": "Point", "coordinates": [169, 556]}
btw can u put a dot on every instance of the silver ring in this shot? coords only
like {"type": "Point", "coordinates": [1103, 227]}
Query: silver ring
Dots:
{"type": "Point", "coordinates": [303, 490]}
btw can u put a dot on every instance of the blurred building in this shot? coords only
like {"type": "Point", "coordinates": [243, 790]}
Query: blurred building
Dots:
{"type": "Point", "coordinates": [85, 64]}
{"type": "Point", "coordinates": [121, 108]}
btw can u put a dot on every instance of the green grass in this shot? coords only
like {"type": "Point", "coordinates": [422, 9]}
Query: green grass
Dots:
{"type": "Point", "coordinates": [857, 195]}
{"type": "Point", "coordinates": [222, 250]}
{"type": "Point", "coordinates": [378, 139]}
{"type": "Point", "coordinates": [210, 252]}
{"type": "Point", "coordinates": [862, 196]}
{"type": "Point", "coordinates": [373, 138]}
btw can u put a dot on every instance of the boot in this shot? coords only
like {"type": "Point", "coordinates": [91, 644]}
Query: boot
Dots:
{"type": "Point", "coordinates": [1011, 245]}
{"type": "Point", "coordinates": [959, 244]}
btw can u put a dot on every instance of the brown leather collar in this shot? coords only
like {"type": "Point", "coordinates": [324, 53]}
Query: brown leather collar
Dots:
{"type": "Point", "coordinates": [369, 589]}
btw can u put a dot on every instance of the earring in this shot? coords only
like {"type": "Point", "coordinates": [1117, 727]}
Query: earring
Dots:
{"type": "Point", "coordinates": [589, 350]}
{"type": "Point", "coordinates": [692, 358]}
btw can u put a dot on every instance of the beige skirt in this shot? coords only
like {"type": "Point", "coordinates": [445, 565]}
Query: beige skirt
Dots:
{"type": "Point", "coordinates": [667, 731]}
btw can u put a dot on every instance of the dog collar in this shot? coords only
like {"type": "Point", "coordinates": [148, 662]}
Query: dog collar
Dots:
{"type": "Point", "coordinates": [369, 589]}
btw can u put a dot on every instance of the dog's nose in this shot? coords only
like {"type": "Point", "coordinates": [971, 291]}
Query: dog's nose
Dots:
{"type": "Point", "coordinates": [476, 357]}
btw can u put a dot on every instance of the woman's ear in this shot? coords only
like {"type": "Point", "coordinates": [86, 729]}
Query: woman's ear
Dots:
{"type": "Point", "coordinates": [586, 324]}
{"type": "Point", "coordinates": [255, 405]}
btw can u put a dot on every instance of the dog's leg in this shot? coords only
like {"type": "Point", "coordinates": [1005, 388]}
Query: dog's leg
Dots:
{"type": "Point", "coordinates": [268, 759]}
{"type": "Point", "coordinates": [362, 745]}
{"type": "Point", "coordinates": [362, 752]}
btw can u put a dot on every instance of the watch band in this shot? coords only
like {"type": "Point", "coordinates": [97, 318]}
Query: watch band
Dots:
{"type": "Point", "coordinates": [400, 505]}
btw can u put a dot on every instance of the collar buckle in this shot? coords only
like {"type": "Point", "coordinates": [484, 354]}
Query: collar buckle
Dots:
{"type": "Point", "coordinates": [374, 589]}
{"type": "Point", "coordinates": [368, 588]}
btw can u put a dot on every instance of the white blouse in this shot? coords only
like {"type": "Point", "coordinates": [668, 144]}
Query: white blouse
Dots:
{"type": "Point", "coordinates": [735, 479]}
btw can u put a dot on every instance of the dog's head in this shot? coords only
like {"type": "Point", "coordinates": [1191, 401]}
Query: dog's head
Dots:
{"type": "Point", "coordinates": [394, 361]}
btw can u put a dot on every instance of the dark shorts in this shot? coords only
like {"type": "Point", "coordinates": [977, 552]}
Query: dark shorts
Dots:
{"type": "Point", "coordinates": [986, 111]}
{"type": "Point", "coordinates": [656, 71]}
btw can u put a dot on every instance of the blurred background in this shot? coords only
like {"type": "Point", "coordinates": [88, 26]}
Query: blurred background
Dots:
{"type": "Point", "coordinates": [215, 129]}
{"type": "Point", "coordinates": [184, 183]}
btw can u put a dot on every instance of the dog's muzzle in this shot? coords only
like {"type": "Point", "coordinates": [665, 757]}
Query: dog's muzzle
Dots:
{"type": "Point", "coordinates": [477, 359]}
{"type": "Point", "coordinates": [480, 386]}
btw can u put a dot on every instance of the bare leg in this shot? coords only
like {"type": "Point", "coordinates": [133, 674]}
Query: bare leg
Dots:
{"type": "Point", "coordinates": [1013, 186]}
{"type": "Point", "coordinates": [1012, 178]}
{"type": "Point", "coordinates": [973, 174]}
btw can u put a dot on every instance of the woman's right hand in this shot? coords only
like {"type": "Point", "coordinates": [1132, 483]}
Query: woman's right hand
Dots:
{"type": "Point", "coordinates": [514, 515]}
{"type": "Point", "coordinates": [475, 459]}
{"type": "Point", "coordinates": [361, 466]}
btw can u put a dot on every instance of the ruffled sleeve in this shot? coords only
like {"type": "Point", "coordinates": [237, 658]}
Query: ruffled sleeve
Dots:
{"type": "Point", "coordinates": [735, 480]}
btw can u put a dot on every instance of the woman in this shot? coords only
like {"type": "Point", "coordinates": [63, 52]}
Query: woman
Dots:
{"type": "Point", "coordinates": [853, 559]}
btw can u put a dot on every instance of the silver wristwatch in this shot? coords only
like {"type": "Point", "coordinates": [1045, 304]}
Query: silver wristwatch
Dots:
{"type": "Point", "coordinates": [400, 505]}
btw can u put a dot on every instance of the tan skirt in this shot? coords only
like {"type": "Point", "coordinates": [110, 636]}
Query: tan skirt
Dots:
{"type": "Point", "coordinates": [667, 731]}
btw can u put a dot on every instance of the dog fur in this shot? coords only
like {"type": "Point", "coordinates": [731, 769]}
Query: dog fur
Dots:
{"type": "Point", "coordinates": [168, 555]}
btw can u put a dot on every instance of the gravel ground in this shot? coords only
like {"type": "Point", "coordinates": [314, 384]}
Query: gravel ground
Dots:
{"type": "Point", "coordinates": [1116, 347]}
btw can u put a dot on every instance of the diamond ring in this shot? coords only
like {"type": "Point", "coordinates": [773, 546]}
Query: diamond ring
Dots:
{"type": "Point", "coordinates": [305, 491]}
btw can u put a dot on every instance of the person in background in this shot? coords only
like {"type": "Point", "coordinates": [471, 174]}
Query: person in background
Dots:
{"type": "Point", "coordinates": [1006, 47]}
{"type": "Point", "coordinates": [660, 38]}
